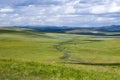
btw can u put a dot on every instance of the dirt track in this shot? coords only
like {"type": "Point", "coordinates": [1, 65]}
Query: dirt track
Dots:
{"type": "Point", "coordinates": [66, 54]}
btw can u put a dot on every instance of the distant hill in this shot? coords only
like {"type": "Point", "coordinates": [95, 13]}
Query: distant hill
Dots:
{"type": "Point", "coordinates": [49, 28]}
{"type": "Point", "coordinates": [113, 30]}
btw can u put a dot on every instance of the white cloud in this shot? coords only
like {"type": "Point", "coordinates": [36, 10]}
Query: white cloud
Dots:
{"type": "Point", "coordinates": [107, 7]}
{"type": "Point", "coordinates": [102, 19]}
{"type": "Point", "coordinates": [98, 9]}
{"type": "Point", "coordinates": [66, 12]}
{"type": "Point", "coordinates": [6, 9]}
{"type": "Point", "coordinates": [115, 7]}
{"type": "Point", "coordinates": [3, 15]}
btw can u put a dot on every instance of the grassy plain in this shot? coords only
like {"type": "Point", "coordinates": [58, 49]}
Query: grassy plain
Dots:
{"type": "Point", "coordinates": [29, 55]}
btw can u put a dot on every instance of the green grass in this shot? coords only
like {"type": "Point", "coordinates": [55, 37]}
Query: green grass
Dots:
{"type": "Point", "coordinates": [94, 50]}
{"type": "Point", "coordinates": [30, 70]}
{"type": "Point", "coordinates": [29, 55]}
{"type": "Point", "coordinates": [28, 47]}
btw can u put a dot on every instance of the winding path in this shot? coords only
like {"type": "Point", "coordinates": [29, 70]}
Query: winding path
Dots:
{"type": "Point", "coordinates": [66, 54]}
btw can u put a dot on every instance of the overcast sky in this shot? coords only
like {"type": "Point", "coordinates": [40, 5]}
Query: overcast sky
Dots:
{"type": "Point", "coordinates": [83, 13]}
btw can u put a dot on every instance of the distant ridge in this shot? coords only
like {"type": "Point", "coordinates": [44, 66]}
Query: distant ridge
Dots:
{"type": "Point", "coordinates": [112, 28]}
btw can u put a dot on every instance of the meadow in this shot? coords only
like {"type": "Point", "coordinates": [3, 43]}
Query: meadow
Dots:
{"type": "Point", "coordinates": [26, 54]}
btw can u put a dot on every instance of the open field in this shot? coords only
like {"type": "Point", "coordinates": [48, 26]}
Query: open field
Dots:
{"type": "Point", "coordinates": [30, 55]}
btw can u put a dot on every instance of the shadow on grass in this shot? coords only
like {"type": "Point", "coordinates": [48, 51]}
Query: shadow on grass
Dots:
{"type": "Point", "coordinates": [94, 40]}
{"type": "Point", "coordinates": [94, 64]}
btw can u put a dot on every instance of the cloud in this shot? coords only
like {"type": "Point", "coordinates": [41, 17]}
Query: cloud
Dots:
{"type": "Point", "coordinates": [60, 12]}
{"type": "Point", "coordinates": [106, 8]}
{"type": "Point", "coordinates": [6, 10]}
{"type": "Point", "coordinates": [101, 19]}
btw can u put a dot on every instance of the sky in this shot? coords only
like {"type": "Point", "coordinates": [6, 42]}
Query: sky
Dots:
{"type": "Point", "coordinates": [78, 13]}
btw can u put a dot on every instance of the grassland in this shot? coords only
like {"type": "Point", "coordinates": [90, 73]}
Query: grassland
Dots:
{"type": "Point", "coordinates": [29, 55]}
{"type": "Point", "coordinates": [97, 50]}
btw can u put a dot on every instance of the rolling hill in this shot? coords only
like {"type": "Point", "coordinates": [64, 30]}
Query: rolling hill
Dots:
{"type": "Point", "coordinates": [113, 30]}
{"type": "Point", "coordinates": [27, 54]}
